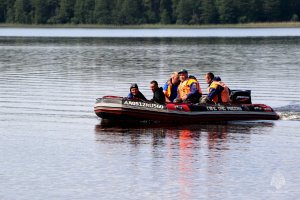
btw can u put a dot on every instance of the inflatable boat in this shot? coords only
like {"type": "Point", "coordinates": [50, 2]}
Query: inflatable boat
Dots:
{"type": "Point", "coordinates": [118, 108]}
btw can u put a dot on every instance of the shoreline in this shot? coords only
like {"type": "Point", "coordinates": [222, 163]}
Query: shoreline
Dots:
{"type": "Point", "coordinates": [158, 26]}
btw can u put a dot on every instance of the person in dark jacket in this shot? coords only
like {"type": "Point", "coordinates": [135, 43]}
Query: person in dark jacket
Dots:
{"type": "Point", "coordinates": [135, 94]}
{"type": "Point", "coordinates": [158, 94]}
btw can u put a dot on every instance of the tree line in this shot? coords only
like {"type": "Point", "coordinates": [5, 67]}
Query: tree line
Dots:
{"type": "Point", "coordinates": [131, 12]}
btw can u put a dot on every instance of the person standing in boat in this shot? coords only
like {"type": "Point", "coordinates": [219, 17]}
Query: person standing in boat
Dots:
{"type": "Point", "coordinates": [171, 86]}
{"type": "Point", "coordinates": [189, 90]}
{"type": "Point", "coordinates": [135, 93]}
{"type": "Point", "coordinates": [158, 94]}
{"type": "Point", "coordinates": [218, 92]}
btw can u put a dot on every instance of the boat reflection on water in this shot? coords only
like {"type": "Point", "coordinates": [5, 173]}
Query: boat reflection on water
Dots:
{"type": "Point", "coordinates": [185, 135]}
{"type": "Point", "coordinates": [184, 159]}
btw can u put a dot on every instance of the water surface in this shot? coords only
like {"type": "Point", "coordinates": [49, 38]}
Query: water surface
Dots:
{"type": "Point", "coordinates": [52, 145]}
{"type": "Point", "coordinates": [146, 33]}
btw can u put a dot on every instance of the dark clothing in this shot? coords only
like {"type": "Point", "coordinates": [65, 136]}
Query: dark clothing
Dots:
{"type": "Point", "coordinates": [139, 96]}
{"type": "Point", "coordinates": [159, 96]}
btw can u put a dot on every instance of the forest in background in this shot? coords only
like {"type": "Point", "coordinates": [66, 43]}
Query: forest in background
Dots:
{"type": "Point", "coordinates": [135, 12]}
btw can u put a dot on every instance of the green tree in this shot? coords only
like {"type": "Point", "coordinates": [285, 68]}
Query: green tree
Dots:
{"type": "Point", "coordinates": [10, 16]}
{"type": "Point", "coordinates": [285, 10]}
{"type": "Point", "coordinates": [196, 11]}
{"type": "Point", "coordinates": [209, 13]}
{"type": "Point", "coordinates": [3, 10]}
{"type": "Point", "coordinates": [184, 12]}
{"type": "Point", "coordinates": [65, 11]}
{"type": "Point", "coordinates": [255, 11]}
{"type": "Point", "coordinates": [103, 11]}
{"type": "Point", "coordinates": [166, 11]}
{"type": "Point", "coordinates": [20, 15]}
{"type": "Point", "coordinates": [271, 10]}
{"type": "Point", "coordinates": [52, 9]}
{"type": "Point", "coordinates": [174, 9]}
{"type": "Point", "coordinates": [39, 11]}
{"type": "Point", "coordinates": [78, 12]}
{"type": "Point", "coordinates": [22, 12]}
{"type": "Point", "coordinates": [151, 11]}
{"type": "Point", "coordinates": [226, 9]}
{"type": "Point", "coordinates": [295, 18]}
{"type": "Point", "coordinates": [147, 11]}
{"type": "Point", "coordinates": [128, 12]}
{"type": "Point", "coordinates": [89, 8]}
{"type": "Point", "coordinates": [293, 9]}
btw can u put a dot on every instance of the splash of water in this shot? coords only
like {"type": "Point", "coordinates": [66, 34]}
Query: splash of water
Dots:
{"type": "Point", "coordinates": [289, 112]}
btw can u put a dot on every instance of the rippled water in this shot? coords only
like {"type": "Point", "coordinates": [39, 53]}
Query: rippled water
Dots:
{"type": "Point", "coordinates": [53, 146]}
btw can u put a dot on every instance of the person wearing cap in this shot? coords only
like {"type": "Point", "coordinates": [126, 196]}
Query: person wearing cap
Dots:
{"type": "Point", "coordinates": [171, 86]}
{"type": "Point", "coordinates": [135, 93]}
{"type": "Point", "coordinates": [189, 90]}
{"type": "Point", "coordinates": [158, 94]}
{"type": "Point", "coordinates": [218, 92]}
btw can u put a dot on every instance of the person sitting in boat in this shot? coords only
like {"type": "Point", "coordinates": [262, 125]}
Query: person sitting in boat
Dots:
{"type": "Point", "coordinates": [218, 92]}
{"type": "Point", "coordinates": [171, 86]}
{"type": "Point", "coordinates": [158, 94]}
{"type": "Point", "coordinates": [135, 93]}
{"type": "Point", "coordinates": [189, 90]}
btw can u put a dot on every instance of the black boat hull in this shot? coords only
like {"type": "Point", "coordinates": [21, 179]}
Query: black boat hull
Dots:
{"type": "Point", "coordinates": [117, 108]}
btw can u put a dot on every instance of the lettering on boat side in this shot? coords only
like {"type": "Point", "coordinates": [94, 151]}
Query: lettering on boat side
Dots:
{"type": "Point", "coordinates": [223, 108]}
{"type": "Point", "coordinates": [213, 108]}
{"type": "Point", "coordinates": [234, 108]}
{"type": "Point", "coordinates": [143, 104]}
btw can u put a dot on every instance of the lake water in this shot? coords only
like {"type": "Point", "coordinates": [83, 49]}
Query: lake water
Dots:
{"type": "Point", "coordinates": [146, 33]}
{"type": "Point", "coordinates": [52, 146]}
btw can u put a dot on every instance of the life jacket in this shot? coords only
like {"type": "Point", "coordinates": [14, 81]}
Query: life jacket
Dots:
{"type": "Point", "coordinates": [197, 83]}
{"type": "Point", "coordinates": [185, 87]}
{"type": "Point", "coordinates": [169, 89]}
{"type": "Point", "coordinates": [223, 96]}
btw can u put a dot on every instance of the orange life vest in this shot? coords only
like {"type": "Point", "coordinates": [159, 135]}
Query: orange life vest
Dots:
{"type": "Point", "coordinates": [185, 87]}
{"type": "Point", "coordinates": [225, 98]}
{"type": "Point", "coordinates": [169, 90]}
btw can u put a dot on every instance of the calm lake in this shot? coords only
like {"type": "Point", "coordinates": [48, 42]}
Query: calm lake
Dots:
{"type": "Point", "coordinates": [52, 145]}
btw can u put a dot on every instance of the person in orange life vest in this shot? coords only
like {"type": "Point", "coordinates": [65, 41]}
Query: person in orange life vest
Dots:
{"type": "Point", "coordinates": [171, 86]}
{"type": "Point", "coordinates": [189, 90]}
{"type": "Point", "coordinates": [135, 94]}
{"type": "Point", "coordinates": [158, 94]}
{"type": "Point", "coordinates": [218, 92]}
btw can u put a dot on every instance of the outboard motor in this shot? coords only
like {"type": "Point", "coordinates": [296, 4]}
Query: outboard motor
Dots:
{"type": "Point", "coordinates": [241, 96]}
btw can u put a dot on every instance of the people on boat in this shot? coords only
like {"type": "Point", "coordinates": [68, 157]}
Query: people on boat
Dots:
{"type": "Point", "coordinates": [158, 94]}
{"type": "Point", "coordinates": [218, 91]}
{"type": "Point", "coordinates": [189, 90]}
{"type": "Point", "coordinates": [171, 86]}
{"type": "Point", "coordinates": [135, 93]}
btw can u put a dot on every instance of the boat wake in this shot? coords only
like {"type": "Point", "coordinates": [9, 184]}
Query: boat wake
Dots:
{"type": "Point", "coordinates": [289, 112]}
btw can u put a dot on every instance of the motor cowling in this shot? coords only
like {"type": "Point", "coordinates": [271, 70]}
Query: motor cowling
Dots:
{"type": "Point", "coordinates": [241, 96]}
